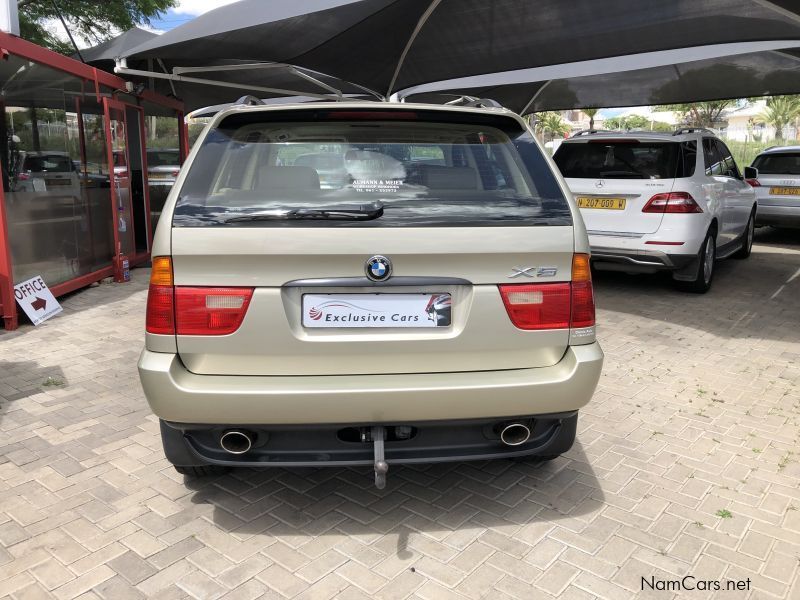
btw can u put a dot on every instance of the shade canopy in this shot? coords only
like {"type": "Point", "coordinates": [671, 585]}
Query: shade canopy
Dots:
{"type": "Point", "coordinates": [233, 78]}
{"type": "Point", "coordinates": [391, 45]}
{"type": "Point", "coordinates": [764, 73]}
{"type": "Point", "coordinates": [110, 50]}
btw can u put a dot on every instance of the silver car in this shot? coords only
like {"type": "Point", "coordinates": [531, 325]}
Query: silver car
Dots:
{"type": "Point", "coordinates": [776, 180]}
{"type": "Point", "coordinates": [409, 313]}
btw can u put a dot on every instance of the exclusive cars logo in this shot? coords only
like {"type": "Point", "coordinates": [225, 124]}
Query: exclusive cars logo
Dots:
{"type": "Point", "coordinates": [317, 312]}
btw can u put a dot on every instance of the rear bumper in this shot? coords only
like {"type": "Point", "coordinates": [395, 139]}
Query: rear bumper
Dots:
{"type": "Point", "coordinates": [637, 260]}
{"type": "Point", "coordinates": [778, 216]}
{"type": "Point", "coordinates": [344, 445]}
{"type": "Point", "coordinates": [179, 396]}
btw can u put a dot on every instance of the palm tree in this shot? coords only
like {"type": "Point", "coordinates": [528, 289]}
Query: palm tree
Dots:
{"type": "Point", "coordinates": [552, 123]}
{"type": "Point", "coordinates": [590, 112]}
{"type": "Point", "coordinates": [780, 111]}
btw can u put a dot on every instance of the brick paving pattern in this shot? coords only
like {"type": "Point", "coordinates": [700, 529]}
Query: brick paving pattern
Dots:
{"type": "Point", "coordinates": [687, 463]}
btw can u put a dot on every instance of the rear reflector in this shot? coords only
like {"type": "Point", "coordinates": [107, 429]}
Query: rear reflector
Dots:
{"type": "Point", "coordinates": [536, 306]}
{"type": "Point", "coordinates": [673, 202]}
{"type": "Point", "coordinates": [210, 310]}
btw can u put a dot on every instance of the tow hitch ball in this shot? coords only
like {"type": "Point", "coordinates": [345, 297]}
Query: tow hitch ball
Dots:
{"type": "Point", "coordinates": [378, 435]}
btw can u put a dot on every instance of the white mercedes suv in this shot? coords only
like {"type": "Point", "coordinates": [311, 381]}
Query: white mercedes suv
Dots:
{"type": "Point", "coordinates": [776, 179]}
{"type": "Point", "coordinates": [660, 201]}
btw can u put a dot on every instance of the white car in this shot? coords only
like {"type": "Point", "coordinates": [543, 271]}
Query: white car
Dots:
{"type": "Point", "coordinates": [660, 201]}
{"type": "Point", "coordinates": [48, 170]}
{"type": "Point", "coordinates": [776, 179]}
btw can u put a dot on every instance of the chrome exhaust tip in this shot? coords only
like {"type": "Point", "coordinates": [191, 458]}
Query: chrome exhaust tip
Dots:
{"type": "Point", "coordinates": [515, 434]}
{"type": "Point", "coordinates": [235, 441]}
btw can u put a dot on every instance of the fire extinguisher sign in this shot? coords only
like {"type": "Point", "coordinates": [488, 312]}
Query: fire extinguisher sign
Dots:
{"type": "Point", "coordinates": [36, 300]}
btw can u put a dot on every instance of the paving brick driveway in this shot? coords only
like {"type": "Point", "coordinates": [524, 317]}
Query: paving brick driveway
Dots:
{"type": "Point", "coordinates": [687, 463]}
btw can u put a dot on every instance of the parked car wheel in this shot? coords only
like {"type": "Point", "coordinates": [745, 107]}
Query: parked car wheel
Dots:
{"type": "Point", "coordinates": [706, 259]}
{"type": "Point", "coordinates": [747, 238]}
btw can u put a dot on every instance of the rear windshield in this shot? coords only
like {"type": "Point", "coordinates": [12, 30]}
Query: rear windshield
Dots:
{"type": "Point", "coordinates": [785, 163]}
{"type": "Point", "coordinates": [338, 170]}
{"type": "Point", "coordinates": [48, 162]}
{"type": "Point", "coordinates": [162, 158]}
{"type": "Point", "coordinates": [626, 159]}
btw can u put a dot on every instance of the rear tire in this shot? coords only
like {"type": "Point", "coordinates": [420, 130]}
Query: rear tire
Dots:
{"type": "Point", "coordinates": [747, 238]}
{"type": "Point", "coordinates": [203, 471]}
{"type": "Point", "coordinates": [706, 259]}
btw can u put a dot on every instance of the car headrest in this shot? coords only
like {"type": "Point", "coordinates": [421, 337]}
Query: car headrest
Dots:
{"type": "Point", "coordinates": [288, 178]}
{"type": "Point", "coordinates": [449, 178]}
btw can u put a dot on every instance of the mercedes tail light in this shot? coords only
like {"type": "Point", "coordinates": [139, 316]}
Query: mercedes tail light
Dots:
{"type": "Point", "coordinates": [672, 202]}
{"type": "Point", "coordinates": [537, 306]}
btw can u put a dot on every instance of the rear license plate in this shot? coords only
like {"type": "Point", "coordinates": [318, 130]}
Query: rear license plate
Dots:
{"type": "Point", "coordinates": [376, 310]}
{"type": "Point", "coordinates": [606, 203]}
{"type": "Point", "coordinates": [784, 191]}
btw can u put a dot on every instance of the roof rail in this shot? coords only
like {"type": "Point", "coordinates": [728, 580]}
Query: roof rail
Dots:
{"type": "Point", "coordinates": [249, 100]}
{"type": "Point", "coordinates": [471, 101]}
{"type": "Point", "coordinates": [682, 130]}
{"type": "Point", "coordinates": [590, 132]}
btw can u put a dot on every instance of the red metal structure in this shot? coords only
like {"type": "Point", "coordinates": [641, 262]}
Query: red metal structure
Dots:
{"type": "Point", "coordinates": [37, 80]}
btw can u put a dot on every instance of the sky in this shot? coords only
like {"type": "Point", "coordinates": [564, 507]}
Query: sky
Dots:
{"type": "Point", "coordinates": [186, 10]}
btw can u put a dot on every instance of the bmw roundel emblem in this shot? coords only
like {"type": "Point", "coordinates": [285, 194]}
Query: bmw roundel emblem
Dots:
{"type": "Point", "coordinates": [379, 268]}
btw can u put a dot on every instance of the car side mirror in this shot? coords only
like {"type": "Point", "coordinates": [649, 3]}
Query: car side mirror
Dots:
{"type": "Point", "coordinates": [750, 173]}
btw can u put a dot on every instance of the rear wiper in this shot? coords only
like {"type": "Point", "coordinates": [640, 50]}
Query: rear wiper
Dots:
{"type": "Point", "coordinates": [362, 213]}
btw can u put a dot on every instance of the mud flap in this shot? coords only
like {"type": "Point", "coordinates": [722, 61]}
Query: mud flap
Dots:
{"type": "Point", "coordinates": [689, 272]}
{"type": "Point", "coordinates": [380, 465]}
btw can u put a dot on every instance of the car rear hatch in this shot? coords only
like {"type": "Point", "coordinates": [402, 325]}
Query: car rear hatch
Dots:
{"type": "Point", "coordinates": [778, 179]}
{"type": "Point", "coordinates": [442, 237]}
{"type": "Point", "coordinates": [613, 179]}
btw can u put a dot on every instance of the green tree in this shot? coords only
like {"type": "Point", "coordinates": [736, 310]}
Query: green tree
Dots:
{"type": "Point", "coordinates": [590, 112]}
{"type": "Point", "coordinates": [550, 123]}
{"type": "Point", "coordinates": [95, 21]}
{"type": "Point", "coordinates": [780, 111]}
{"type": "Point", "coordinates": [698, 114]}
{"type": "Point", "coordinates": [627, 122]}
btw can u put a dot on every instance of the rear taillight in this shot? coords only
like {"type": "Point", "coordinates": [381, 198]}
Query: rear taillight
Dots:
{"type": "Point", "coordinates": [582, 313]}
{"type": "Point", "coordinates": [535, 306]}
{"type": "Point", "coordinates": [672, 202]}
{"type": "Point", "coordinates": [753, 182]}
{"type": "Point", "coordinates": [192, 310]}
{"type": "Point", "coordinates": [23, 176]}
{"type": "Point", "coordinates": [210, 310]}
{"type": "Point", "coordinates": [175, 173]}
{"type": "Point", "coordinates": [160, 299]}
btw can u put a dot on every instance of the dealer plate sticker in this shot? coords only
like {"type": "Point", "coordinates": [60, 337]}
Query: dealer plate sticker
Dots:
{"type": "Point", "coordinates": [36, 299]}
{"type": "Point", "coordinates": [376, 310]}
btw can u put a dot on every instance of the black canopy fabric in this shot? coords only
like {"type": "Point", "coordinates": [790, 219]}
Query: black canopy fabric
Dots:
{"type": "Point", "coordinates": [390, 45]}
{"type": "Point", "coordinates": [283, 79]}
{"type": "Point", "coordinates": [745, 75]}
{"type": "Point", "coordinates": [103, 55]}
{"type": "Point", "coordinates": [246, 79]}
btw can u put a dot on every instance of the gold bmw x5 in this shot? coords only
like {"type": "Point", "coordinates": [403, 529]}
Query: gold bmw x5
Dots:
{"type": "Point", "coordinates": [368, 284]}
